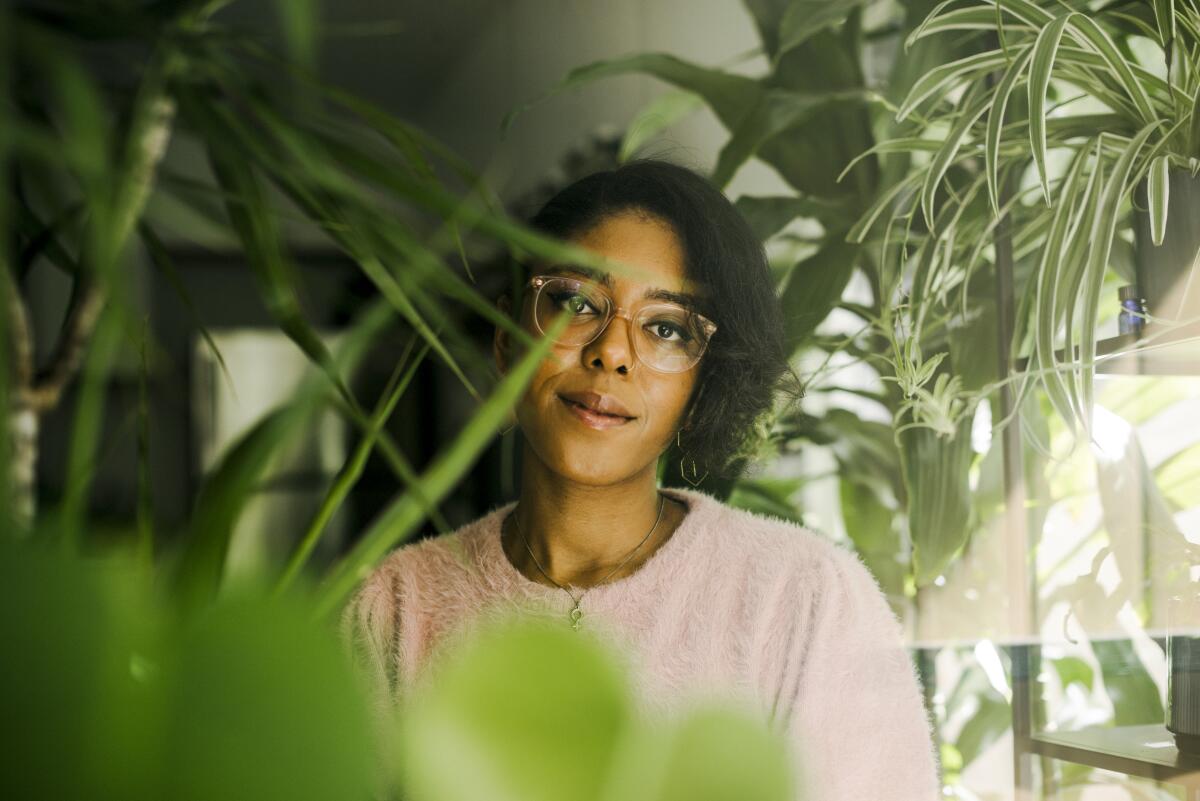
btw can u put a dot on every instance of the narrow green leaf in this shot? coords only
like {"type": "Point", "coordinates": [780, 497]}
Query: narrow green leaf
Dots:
{"type": "Point", "coordinates": [161, 259]}
{"type": "Point", "coordinates": [405, 513]}
{"type": "Point", "coordinates": [225, 492]}
{"type": "Point", "coordinates": [253, 219]}
{"type": "Point", "coordinates": [995, 120]}
{"type": "Point", "coordinates": [945, 77]}
{"type": "Point", "coordinates": [1164, 18]}
{"type": "Point", "coordinates": [352, 470]}
{"type": "Point", "coordinates": [1087, 32]}
{"type": "Point", "coordinates": [933, 17]}
{"type": "Point", "coordinates": [88, 422]}
{"type": "Point", "coordinates": [860, 230]}
{"type": "Point", "coordinates": [664, 111]}
{"type": "Point", "coordinates": [1028, 12]}
{"type": "Point", "coordinates": [145, 499]}
{"type": "Point", "coordinates": [299, 18]}
{"type": "Point", "coordinates": [972, 18]}
{"type": "Point", "coordinates": [1052, 270]}
{"type": "Point", "coordinates": [1098, 258]}
{"type": "Point", "coordinates": [1158, 195]}
{"type": "Point", "coordinates": [972, 109]}
{"type": "Point", "coordinates": [1044, 51]}
{"type": "Point", "coordinates": [1194, 129]}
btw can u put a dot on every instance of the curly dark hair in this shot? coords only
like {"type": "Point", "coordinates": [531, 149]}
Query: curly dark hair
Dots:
{"type": "Point", "coordinates": [746, 363]}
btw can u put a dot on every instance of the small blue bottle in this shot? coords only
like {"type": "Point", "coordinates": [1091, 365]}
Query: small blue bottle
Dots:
{"type": "Point", "coordinates": [1132, 318]}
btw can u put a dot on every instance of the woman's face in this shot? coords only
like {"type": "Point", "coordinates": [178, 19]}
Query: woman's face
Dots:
{"type": "Point", "coordinates": [601, 451]}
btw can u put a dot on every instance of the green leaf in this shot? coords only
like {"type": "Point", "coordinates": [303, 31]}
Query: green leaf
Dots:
{"type": "Point", "coordinates": [973, 108]}
{"type": "Point", "coordinates": [1164, 18]}
{"type": "Point", "coordinates": [161, 259]}
{"type": "Point", "coordinates": [771, 497]}
{"type": "Point", "coordinates": [1087, 32]}
{"type": "Point", "coordinates": [509, 696]}
{"type": "Point", "coordinates": [868, 523]}
{"type": "Point", "coordinates": [1073, 670]}
{"type": "Point", "coordinates": [730, 96]}
{"type": "Point", "coordinates": [768, 16]}
{"type": "Point", "coordinates": [1098, 259]}
{"type": "Point", "coordinates": [776, 112]}
{"type": "Point", "coordinates": [1194, 129]}
{"type": "Point", "coordinates": [299, 18]}
{"type": "Point", "coordinates": [666, 109]}
{"type": "Point", "coordinates": [715, 751]}
{"type": "Point", "coordinates": [995, 121]}
{"type": "Point", "coordinates": [945, 77]}
{"type": "Point", "coordinates": [220, 502]}
{"type": "Point", "coordinates": [1133, 693]}
{"type": "Point", "coordinates": [810, 155]}
{"type": "Point", "coordinates": [814, 286]}
{"type": "Point", "coordinates": [972, 18]}
{"type": "Point", "coordinates": [990, 721]}
{"type": "Point", "coordinates": [260, 703]}
{"type": "Point", "coordinates": [1053, 283]}
{"type": "Point", "coordinates": [1044, 51]}
{"type": "Point", "coordinates": [403, 515]}
{"type": "Point", "coordinates": [226, 490]}
{"type": "Point", "coordinates": [1158, 195]}
{"type": "Point", "coordinates": [770, 215]}
{"type": "Point", "coordinates": [352, 470]}
{"type": "Point", "coordinates": [935, 471]}
{"type": "Point", "coordinates": [804, 18]}
{"type": "Point", "coordinates": [253, 219]}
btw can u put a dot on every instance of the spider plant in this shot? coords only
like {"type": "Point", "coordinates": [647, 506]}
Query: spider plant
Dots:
{"type": "Point", "coordinates": [1050, 129]}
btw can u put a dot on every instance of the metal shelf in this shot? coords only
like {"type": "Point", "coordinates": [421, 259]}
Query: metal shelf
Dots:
{"type": "Point", "coordinates": [1145, 751]}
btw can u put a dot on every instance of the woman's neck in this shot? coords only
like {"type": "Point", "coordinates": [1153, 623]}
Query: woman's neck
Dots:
{"type": "Point", "coordinates": [580, 534]}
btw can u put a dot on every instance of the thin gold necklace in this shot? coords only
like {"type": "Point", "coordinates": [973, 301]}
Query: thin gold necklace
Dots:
{"type": "Point", "coordinates": [576, 613]}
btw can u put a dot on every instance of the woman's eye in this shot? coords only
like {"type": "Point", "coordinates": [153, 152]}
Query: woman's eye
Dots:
{"type": "Point", "coordinates": [664, 330]}
{"type": "Point", "coordinates": [576, 304]}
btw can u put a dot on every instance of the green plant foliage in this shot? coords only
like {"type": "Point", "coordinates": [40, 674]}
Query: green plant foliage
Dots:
{"type": "Point", "coordinates": [1134, 695]}
{"type": "Point", "coordinates": [935, 470]}
{"type": "Point", "coordinates": [523, 709]}
{"type": "Point", "coordinates": [114, 696]}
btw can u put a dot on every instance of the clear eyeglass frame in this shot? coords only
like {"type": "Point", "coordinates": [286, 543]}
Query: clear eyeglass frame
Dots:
{"type": "Point", "coordinates": [612, 311]}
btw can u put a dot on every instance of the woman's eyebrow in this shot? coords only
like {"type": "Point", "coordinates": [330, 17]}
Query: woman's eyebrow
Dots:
{"type": "Point", "coordinates": [605, 279]}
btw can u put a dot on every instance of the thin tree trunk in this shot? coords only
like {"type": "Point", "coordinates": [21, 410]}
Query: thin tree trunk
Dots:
{"type": "Point", "coordinates": [22, 442]}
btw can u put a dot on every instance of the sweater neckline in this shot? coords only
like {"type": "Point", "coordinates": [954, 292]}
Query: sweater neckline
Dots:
{"type": "Point", "coordinates": [654, 568]}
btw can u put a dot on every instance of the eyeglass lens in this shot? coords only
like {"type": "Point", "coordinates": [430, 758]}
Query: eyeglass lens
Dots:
{"type": "Point", "coordinates": [668, 337]}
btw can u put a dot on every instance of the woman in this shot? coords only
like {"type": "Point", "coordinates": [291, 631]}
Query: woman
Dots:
{"type": "Point", "coordinates": [702, 596]}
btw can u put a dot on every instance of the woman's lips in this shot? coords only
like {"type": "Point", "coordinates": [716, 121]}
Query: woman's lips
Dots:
{"type": "Point", "coordinates": [594, 419]}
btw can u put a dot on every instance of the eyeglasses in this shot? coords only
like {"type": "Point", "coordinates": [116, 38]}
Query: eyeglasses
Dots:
{"type": "Point", "coordinates": [667, 337]}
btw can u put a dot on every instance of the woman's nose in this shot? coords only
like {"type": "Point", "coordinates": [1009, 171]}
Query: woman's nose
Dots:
{"type": "Point", "coordinates": [614, 345]}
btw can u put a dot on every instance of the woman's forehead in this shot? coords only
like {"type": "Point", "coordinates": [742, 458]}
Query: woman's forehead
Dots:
{"type": "Point", "coordinates": [681, 292]}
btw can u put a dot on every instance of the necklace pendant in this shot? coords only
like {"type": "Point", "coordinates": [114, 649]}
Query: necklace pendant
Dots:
{"type": "Point", "coordinates": [576, 614]}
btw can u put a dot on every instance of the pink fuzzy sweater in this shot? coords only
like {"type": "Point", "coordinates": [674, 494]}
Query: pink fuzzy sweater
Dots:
{"type": "Point", "coordinates": [733, 604]}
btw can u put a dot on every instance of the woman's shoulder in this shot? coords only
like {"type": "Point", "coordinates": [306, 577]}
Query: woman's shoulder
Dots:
{"type": "Point", "coordinates": [443, 554]}
{"type": "Point", "coordinates": [785, 547]}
